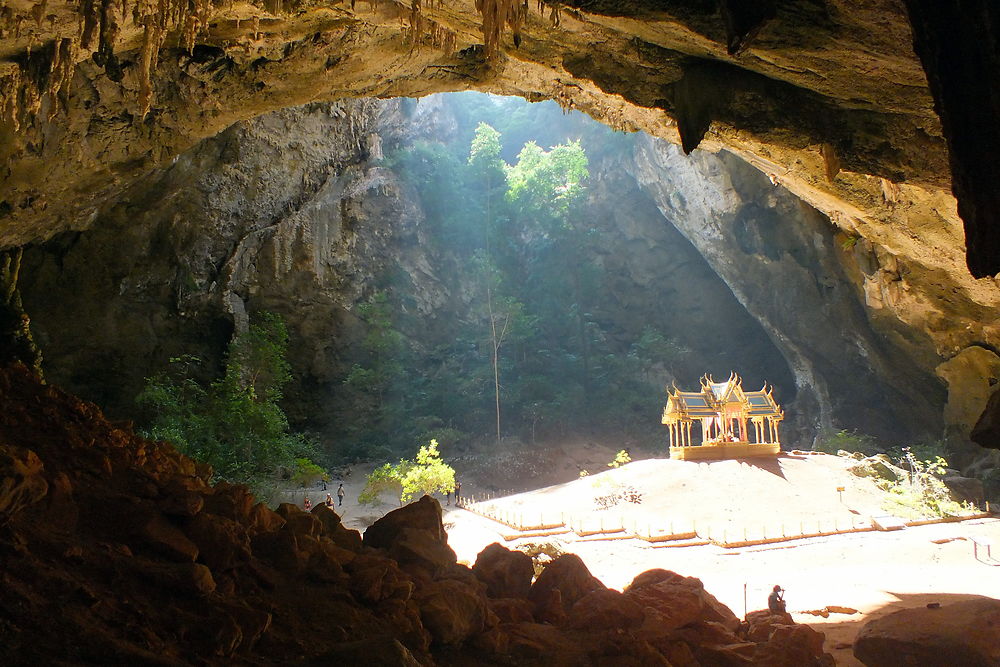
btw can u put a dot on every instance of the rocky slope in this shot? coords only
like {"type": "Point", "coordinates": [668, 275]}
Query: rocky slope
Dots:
{"type": "Point", "coordinates": [117, 550]}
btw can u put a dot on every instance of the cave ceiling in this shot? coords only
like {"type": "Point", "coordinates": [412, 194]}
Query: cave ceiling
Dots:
{"type": "Point", "coordinates": [827, 97]}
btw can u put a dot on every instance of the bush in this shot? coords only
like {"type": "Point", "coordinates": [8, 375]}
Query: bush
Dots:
{"type": "Point", "coordinates": [235, 423]}
{"type": "Point", "coordinates": [426, 475]}
{"type": "Point", "coordinates": [913, 485]}
{"type": "Point", "coordinates": [621, 458]}
{"type": "Point", "coordinates": [832, 442]}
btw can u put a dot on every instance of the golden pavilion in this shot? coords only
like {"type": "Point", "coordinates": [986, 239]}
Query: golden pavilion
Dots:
{"type": "Point", "coordinates": [734, 423]}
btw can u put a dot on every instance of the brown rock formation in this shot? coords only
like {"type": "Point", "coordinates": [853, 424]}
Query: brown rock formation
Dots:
{"type": "Point", "coordinates": [234, 583]}
{"type": "Point", "coordinates": [962, 633]}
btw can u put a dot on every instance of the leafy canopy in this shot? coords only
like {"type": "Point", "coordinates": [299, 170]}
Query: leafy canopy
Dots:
{"type": "Point", "coordinates": [426, 475]}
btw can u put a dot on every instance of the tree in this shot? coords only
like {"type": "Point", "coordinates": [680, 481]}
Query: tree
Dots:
{"type": "Point", "coordinates": [488, 170]}
{"type": "Point", "coordinates": [381, 374]}
{"type": "Point", "coordinates": [235, 423]}
{"type": "Point", "coordinates": [426, 475]}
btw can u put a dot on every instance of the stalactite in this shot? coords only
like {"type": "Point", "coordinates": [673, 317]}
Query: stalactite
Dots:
{"type": "Point", "coordinates": [60, 75]}
{"type": "Point", "coordinates": [16, 342]}
{"type": "Point", "coordinates": [100, 23]}
{"type": "Point", "coordinates": [498, 14]}
{"type": "Point", "coordinates": [416, 23]}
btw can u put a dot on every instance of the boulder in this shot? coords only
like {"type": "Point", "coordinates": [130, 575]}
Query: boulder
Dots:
{"type": "Point", "coordinates": [512, 610]}
{"type": "Point", "coordinates": [179, 578]}
{"type": "Point", "coordinates": [233, 501]}
{"type": "Point", "coordinates": [374, 579]}
{"type": "Point", "coordinates": [223, 543]}
{"type": "Point", "coordinates": [963, 633]}
{"type": "Point", "coordinates": [877, 467]}
{"type": "Point", "coordinates": [21, 481]}
{"type": "Point", "coordinates": [414, 536]}
{"type": "Point", "coordinates": [965, 489]}
{"type": "Point", "coordinates": [328, 517]}
{"type": "Point", "coordinates": [182, 503]}
{"type": "Point", "coordinates": [279, 549]}
{"type": "Point", "coordinates": [506, 573]}
{"type": "Point", "coordinates": [533, 643]}
{"type": "Point", "coordinates": [793, 646]}
{"type": "Point", "coordinates": [298, 520]}
{"type": "Point", "coordinates": [568, 575]}
{"type": "Point", "coordinates": [605, 610]}
{"type": "Point", "coordinates": [403, 618]}
{"type": "Point", "coordinates": [263, 519]}
{"type": "Point", "coordinates": [669, 594]}
{"type": "Point", "coordinates": [157, 532]}
{"type": "Point", "coordinates": [334, 529]}
{"type": "Point", "coordinates": [761, 623]}
{"type": "Point", "coordinates": [423, 515]}
{"type": "Point", "coordinates": [667, 606]}
{"type": "Point", "coordinates": [381, 651]}
{"type": "Point", "coordinates": [452, 611]}
{"type": "Point", "coordinates": [727, 655]}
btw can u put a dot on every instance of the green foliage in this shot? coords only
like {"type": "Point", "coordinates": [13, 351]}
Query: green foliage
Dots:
{"type": "Point", "coordinates": [621, 458]}
{"type": "Point", "coordinates": [387, 478]}
{"type": "Point", "coordinates": [833, 442]}
{"type": "Point", "coordinates": [429, 475]}
{"type": "Point", "coordinates": [234, 423]}
{"type": "Point", "coordinates": [913, 485]}
{"type": "Point", "coordinates": [306, 473]}
{"type": "Point", "coordinates": [921, 493]}
{"type": "Point", "coordinates": [426, 474]}
{"type": "Point", "coordinates": [528, 328]}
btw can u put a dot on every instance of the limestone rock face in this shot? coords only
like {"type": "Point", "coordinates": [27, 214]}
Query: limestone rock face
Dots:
{"type": "Point", "coordinates": [829, 99]}
{"type": "Point", "coordinates": [783, 263]}
{"type": "Point", "coordinates": [986, 432]}
{"type": "Point", "coordinates": [961, 633]}
{"type": "Point", "coordinates": [972, 376]}
{"type": "Point", "coordinates": [290, 213]}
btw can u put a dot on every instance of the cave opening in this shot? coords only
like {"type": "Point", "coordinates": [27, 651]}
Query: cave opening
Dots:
{"type": "Point", "coordinates": [374, 256]}
{"type": "Point", "coordinates": [869, 314]}
{"type": "Point", "coordinates": [366, 226]}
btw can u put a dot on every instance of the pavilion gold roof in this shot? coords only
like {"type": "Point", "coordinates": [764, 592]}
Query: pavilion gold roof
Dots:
{"type": "Point", "coordinates": [716, 398]}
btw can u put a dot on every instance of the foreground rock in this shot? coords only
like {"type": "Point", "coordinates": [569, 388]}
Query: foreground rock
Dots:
{"type": "Point", "coordinates": [117, 550]}
{"type": "Point", "coordinates": [965, 633]}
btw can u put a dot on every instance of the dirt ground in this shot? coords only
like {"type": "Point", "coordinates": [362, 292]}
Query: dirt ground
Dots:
{"type": "Point", "coordinates": [873, 572]}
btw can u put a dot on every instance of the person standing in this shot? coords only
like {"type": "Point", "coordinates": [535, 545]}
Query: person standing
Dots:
{"type": "Point", "coordinates": [307, 504]}
{"type": "Point", "coordinates": [458, 492]}
{"type": "Point", "coordinates": [340, 495]}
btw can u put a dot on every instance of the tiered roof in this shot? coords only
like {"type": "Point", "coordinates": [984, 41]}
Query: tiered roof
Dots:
{"type": "Point", "coordinates": [715, 397]}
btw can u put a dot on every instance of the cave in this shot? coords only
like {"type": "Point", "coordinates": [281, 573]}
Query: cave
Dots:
{"type": "Point", "coordinates": [821, 170]}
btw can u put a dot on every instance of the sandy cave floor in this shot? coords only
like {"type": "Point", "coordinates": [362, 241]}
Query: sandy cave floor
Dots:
{"type": "Point", "coordinates": [873, 572]}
